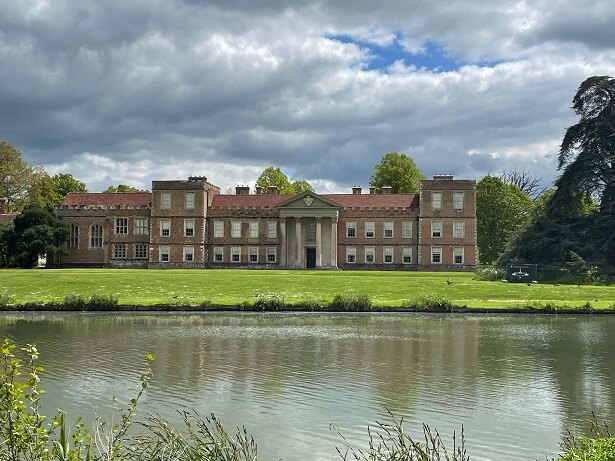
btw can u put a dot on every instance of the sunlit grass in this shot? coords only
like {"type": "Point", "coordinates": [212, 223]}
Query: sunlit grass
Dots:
{"type": "Point", "coordinates": [233, 287]}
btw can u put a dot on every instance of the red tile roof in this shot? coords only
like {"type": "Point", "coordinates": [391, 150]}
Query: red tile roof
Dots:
{"type": "Point", "coordinates": [344, 200]}
{"type": "Point", "coordinates": [108, 198]}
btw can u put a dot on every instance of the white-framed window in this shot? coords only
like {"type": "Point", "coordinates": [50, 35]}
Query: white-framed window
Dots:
{"type": "Point", "coordinates": [351, 230]}
{"type": "Point", "coordinates": [188, 254]}
{"type": "Point", "coordinates": [407, 255]}
{"type": "Point", "coordinates": [140, 250]}
{"type": "Point", "coordinates": [458, 229]}
{"type": "Point", "coordinates": [272, 229]}
{"type": "Point", "coordinates": [96, 236]}
{"type": "Point", "coordinates": [165, 228]}
{"type": "Point", "coordinates": [436, 229]}
{"type": "Point", "coordinates": [253, 227]}
{"type": "Point", "coordinates": [351, 255]}
{"type": "Point", "coordinates": [458, 255]}
{"type": "Point", "coordinates": [387, 255]}
{"type": "Point", "coordinates": [141, 226]}
{"type": "Point", "coordinates": [189, 227]}
{"type": "Point", "coordinates": [165, 200]}
{"type": "Point", "coordinates": [164, 253]}
{"type": "Point", "coordinates": [73, 240]}
{"type": "Point", "coordinates": [458, 201]}
{"type": "Point", "coordinates": [189, 201]}
{"type": "Point", "coordinates": [406, 229]}
{"type": "Point", "coordinates": [236, 229]}
{"type": "Point", "coordinates": [272, 254]}
{"type": "Point", "coordinates": [121, 225]}
{"type": "Point", "coordinates": [218, 229]}
{"type": "Point", "coordinates": [235, 254]}
{"type": "Point", "coordinates": [119, 250]}
{"type": "Point", "coordinates": [370, 229]}
{"type": "Point", "coordinates": [436, 201]}
{"type": "Point", "coordinates": [388, 230]}
{"type": "Point", "coordinates": [218, 254]}
{"type": "Point", "coordinates": [436, 255]}
{"type": "Point", "coordinates": [370, 253]}
{"type": "Point", "coordinates": [253, 254]}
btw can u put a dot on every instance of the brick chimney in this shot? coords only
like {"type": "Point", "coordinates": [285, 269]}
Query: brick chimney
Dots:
{"type": "Point", "coordinates": [372, 190]}
{"type": "Point", "coordinates": [388, 190]}
{"type": "Point", "coordinates": [439, 177]}
{"type": "Point", "coordinates": [356, 190]}
{"type": "Point", "coordinates": [272, 190]}
{"type": "Point", "coordinates": [3, 205]}
{"type": "Point", "coordinates": [258, 190]}
{"type": "Point", "coordinates": [242, 190]}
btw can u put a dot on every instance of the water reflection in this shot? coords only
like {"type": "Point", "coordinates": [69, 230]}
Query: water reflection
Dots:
{"type": "Point", "coordinates": [514, 382]}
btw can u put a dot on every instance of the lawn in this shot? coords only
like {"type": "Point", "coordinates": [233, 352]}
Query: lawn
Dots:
{"type": "Point", "coordinates": [232, 287]}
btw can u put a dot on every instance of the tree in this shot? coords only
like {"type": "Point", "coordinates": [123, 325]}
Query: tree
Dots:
{"type": "Point", "coordinates": [16, 176]}
{"type": "Point", "coordinates": [36, 231]}
{"type": "Point", "coordinates": [275, 177]}
{"type": "Point", "coordinates": [501, 210]}
{"type": "Point", "coordinates": [524, 180]}
{"type": "Point", "coordinates": [587, 151]}
{"type": "Point", "coordinates": [397, 171]}
{"type": "Point", "coordinates": [121, 188]}
{"type": "Point", "coordinates": [65, 183]}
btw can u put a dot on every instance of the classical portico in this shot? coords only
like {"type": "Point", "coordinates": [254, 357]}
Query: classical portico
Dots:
{"type": "Point", "coordinates": [308, 232]}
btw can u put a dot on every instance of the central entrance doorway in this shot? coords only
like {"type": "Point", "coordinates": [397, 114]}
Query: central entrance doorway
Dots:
{"type": "Point", "coordinates": [310, 258]}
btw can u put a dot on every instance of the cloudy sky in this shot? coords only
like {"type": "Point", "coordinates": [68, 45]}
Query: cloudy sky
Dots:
{"type": "Point", "coordinates": [130, 91]}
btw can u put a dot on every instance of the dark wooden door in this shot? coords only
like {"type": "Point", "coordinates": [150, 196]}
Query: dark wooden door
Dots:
{"type": "Point", "coordinates": [310, 258]}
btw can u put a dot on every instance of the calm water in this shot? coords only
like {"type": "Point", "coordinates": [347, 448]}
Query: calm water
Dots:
{"type": "Point", "coordinates": [516, 383]}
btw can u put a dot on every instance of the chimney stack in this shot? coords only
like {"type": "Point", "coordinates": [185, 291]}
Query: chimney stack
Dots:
{"type": "Point", "coordinates": [242, 190]}
{"type": "Point", "coordinates": [272, 190]}
{"type": "Point", "coordinates": [446, 177]}
{"type": "Point", "coordinates": [372, 190]}
{"type": "Point", "coordinates": [3, 205]}
{"type": "Point", "coordinates": [356, 190]}
{"type": "Point", "coordinates": [388, 190]}
{"type": "Point", "coordinates": [258, 190]}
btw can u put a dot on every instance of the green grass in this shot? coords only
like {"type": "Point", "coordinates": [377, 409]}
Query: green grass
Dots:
{"type": "Point", "coordinates": [233, 287]}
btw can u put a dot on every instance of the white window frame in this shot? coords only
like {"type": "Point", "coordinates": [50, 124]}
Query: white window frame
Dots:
{"type": "Point", "coordinates": [370, 251]}
{"type": "Point", "coordinates": [236, 252]}
{"type": "Point", "coordinates": [388, 227]}
{"type": "Point", "coordinates": [188, 251]}
{"type": "Point", "coordinates": [164, 250]}
{"type": "Point", "coordinates": [74, 236]}
{"type": "Point", "coordinates": [141, 226]}
{"type": "Point", "coordinates": [351, 229]}
{"type": "Point", "coordinates": [165, 227]}
{"type": "Point", "coordinates": [272, 229]}
{"type": "Point", "coordinates": [351, 255]}
{"type": "Point", "coordinates": [370, 229]}
{"type": "Point", "coordinates": [457, 250]}
{"type": "Point", "coordinates": [236, 229]}
{"type": "Point", "coordinates": [436, 251]}
{"type": "Point", "coordinates": [253, 229]}
{"type": "Point", "coordinates": [165, 200]}
{"type": "Point", "coordinates": [218, 251]}
{"type": "Point", "coordinates": [97, 234]}
{"type": "Point", "coordinates": [436, 201]}
{"type": "Point", "coordinates": [189, 225]}
{"type": "Point", "coordinates": [436, 229]}
{"type": "Point", "coordinates": [459, 229]}
{"type": "Point", "coordinates": [218, 229]}
{"type": "Point", "coordinates": [189, 201]}
{"type": "Point", "coordinates": [406, 229]}
{"type": "Point", "coordinates": [387, 251]}
{"type": "Point", "coordinates": [120, 251]}
{"type": "Point", "coordinates": [144, 247]}
{"type": "Point", "coordinates": [253, 251]}
{"type": "Point", "coordinates": [121, 226]}
{"type": "Point", "coordinates": [458, 201]}
{"type": "Point", "coordinates": [406, 254]}
{"type": "Point", "coordinates": [272, 251]}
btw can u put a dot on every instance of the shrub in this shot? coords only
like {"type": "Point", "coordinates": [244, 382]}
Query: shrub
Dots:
{"type": "Point", "coordinates": [96, 302]}
{"type": "Point", "coordinates": [432, 304]}
{"type": "Point", "coordinates": [6, 300]}
{"type": "Point", "coordinates": [350, 303]}
{"type": "Point", "coordinates": [271, 303]}
{"type": "Point", "coordinates": [600, 447]}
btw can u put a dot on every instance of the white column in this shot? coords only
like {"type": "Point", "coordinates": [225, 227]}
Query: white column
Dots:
{"type": "Point", "coordinates": [283, 242]}
{"type": "Point", "coordinates": [299, 255]}
{"type": "Point", "coordinates": [318, 243]}
{"type": "Point", "coordinates": [333, 242]}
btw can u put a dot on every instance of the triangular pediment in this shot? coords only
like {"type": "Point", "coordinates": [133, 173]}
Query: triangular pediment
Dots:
{"type": "Point", "coordinates": [307, 200]}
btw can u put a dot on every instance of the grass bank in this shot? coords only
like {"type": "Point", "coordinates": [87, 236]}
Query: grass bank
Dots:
{"type": "Point", "coordinates": [237, 287]}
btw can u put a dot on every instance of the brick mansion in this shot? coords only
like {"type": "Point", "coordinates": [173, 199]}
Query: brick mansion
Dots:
{"type": "Point", "coordinates": [190, 224]}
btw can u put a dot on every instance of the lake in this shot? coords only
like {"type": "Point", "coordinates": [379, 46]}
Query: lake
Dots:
{"type": "Point", "coordinates": [516, 383]}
